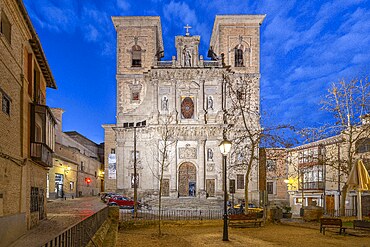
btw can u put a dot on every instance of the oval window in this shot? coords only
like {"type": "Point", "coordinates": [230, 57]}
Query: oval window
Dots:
{"type": "Point", "coordinates": [187, 107]}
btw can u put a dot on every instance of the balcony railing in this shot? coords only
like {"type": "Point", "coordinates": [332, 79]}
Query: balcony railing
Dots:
{"type": "Point", "coordinates": [164, 64]}
{"type": "Point", "coordinates": [212, 64]}
{"type": "Point", "coordinates": [313, 186]}
{"type": "Point", "coordinates": [202, 63]}
{"type": "Point", "coordinates": [41, 153]}
{"type": "Point", "coordinates": [42, 134]}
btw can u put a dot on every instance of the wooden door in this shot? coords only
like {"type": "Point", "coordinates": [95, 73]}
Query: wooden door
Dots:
{"type": "Point", "coordinates": [210, 187]}
{"type": "Point", "coordinates": [187, 175]}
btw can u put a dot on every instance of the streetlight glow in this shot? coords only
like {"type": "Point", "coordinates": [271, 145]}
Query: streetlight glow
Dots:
{"type": "Point", "coordinates": [225, 147]}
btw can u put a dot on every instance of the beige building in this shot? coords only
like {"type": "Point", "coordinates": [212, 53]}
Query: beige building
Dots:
{"type": "Point", "coordinates": [77, 164]}
{"type": "Point", "coordinates": [316, 178]}
{"type": "Point", "coordinates": [187, 94]}
{"type": "Point", "coordinates": [26, 123]}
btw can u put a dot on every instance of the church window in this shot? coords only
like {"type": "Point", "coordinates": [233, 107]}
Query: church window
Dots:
{"type": "Point", "coordinates": [136, 56]}
{"type": "Point", "coordinates": [5, 27]}
{"type": "Point", "coordinates": [240, 181]}
{"type": "Point", "coordinates": [6, 104]}
{"type": "Point", "coordinates": [270, 188]}
{"type": "Point", "coordinates": [187, 108]}
{"type": "Point", "coordinates": [238, 57]}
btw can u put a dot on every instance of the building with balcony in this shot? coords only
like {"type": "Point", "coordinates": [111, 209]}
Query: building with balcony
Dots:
{"type": "Point", "coordinates": [26, 123]}
{"type": "Point", "coordinates": [319, 170]}
{"type": "Point", "coordinates": [77, 164]}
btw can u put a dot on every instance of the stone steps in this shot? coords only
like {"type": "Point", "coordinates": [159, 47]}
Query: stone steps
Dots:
{"type": "Point", "coordinates": [187, 203]}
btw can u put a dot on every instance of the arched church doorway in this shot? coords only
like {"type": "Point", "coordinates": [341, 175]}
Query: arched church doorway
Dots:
{"type": "Point", "coordinates": [187, 179]}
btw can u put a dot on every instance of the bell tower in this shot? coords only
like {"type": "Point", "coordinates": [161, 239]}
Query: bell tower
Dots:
{"type": "Point", "coordinates": [237, 39]}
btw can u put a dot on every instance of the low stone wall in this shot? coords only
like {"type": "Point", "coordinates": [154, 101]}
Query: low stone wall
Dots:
{"type": "Point", "coordinates": [106, 236]}
{"type": "Point", "coordinates": [11, 228]}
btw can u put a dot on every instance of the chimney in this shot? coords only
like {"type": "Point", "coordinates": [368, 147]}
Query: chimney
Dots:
{"type": "Point", "coordinates": [58, 114]}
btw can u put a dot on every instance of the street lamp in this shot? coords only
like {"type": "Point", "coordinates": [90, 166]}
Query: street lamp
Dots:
{"type": "Point", "coordinates": [225, 147]}
{"type": "Point", "coordinates": [135, 126]}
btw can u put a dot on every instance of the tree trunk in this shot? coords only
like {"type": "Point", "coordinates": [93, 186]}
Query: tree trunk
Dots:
{"type": "Point", "coordinates": [159, 207]}
{"type": "Point", "coordinates": [343, 200]}
{"type": "Point", "coordinates": [246, 196]}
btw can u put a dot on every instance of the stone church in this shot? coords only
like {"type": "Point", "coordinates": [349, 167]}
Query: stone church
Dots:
{"type": "Point", "coordinates": [185, 96]}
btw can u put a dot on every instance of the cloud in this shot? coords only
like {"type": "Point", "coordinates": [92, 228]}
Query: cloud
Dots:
{"type": "Point", "coordinates": [178, 14]}
{"type": "Point", "coordinates": [123, 5]}
{"type": "Point", "coordinates": [70, 16]}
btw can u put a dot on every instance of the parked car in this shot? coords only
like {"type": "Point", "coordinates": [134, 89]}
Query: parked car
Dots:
{"type": "Point", "coordinates": [239, 209]}
{"type": "Point", "coordinates": [122, 202]}
{"type": "Point", "coordinates": [106, 195]}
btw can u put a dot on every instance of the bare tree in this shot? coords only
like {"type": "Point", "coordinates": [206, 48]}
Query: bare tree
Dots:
{"type": "Point", "coordinates": [349, 103]}
{"type": "Point", "coordinates": [162, 158]}
{"type": "Point", "coordinates": [243, 113]}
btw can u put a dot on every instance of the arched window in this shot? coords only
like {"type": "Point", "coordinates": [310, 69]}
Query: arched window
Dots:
{"type": "Point", "coordinates": [136, 56]}
{"type": "Point", "coordinates": [363, 145]}
{"type": "Point", "coordinates": [239, 56]}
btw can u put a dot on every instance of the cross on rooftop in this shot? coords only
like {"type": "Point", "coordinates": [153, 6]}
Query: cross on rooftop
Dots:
{"type": "Point", "coordinates": [187, 27]}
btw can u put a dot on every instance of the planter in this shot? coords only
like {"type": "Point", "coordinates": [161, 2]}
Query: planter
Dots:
{"type": "Point", "coordinates": [312, 213]}
{"type": "Point", "coordinates": [287, 215]}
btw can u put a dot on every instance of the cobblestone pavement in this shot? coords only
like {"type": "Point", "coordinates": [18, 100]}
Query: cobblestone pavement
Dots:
{"type": "Point", "coordinates": [61, 214]}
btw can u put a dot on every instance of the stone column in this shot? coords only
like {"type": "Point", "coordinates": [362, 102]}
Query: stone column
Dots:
{"type": "Point", "coordinates": [202, 168]}
{"type": "Point", "coordinates": [202, 105]}
{"type": "Point", "coordinates": [120, 165]}
{"type": "Point", "coordinates": [173, 180]}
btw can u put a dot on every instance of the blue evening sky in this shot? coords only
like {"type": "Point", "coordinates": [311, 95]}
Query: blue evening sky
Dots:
{"type": "Point", "coordinates": [305, 45]}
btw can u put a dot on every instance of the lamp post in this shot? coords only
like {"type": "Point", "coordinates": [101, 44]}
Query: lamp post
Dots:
{"type": "Point", "coordinates": [135, 126]}
{"type": "Point", "coordinates": [225, 147]}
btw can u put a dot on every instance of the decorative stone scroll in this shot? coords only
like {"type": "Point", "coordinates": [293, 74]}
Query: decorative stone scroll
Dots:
{"type": "Point", "coordinates": [187, 152]}
{"type": "Point", "coordinates": [210, 167]}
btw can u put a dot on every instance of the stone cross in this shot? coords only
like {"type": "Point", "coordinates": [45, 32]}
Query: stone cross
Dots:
{"type": "Point", "coordinates": [187, 27]}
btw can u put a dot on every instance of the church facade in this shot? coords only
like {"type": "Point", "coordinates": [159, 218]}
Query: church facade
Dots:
{"type": "Point", "coordinates": [180, 105]}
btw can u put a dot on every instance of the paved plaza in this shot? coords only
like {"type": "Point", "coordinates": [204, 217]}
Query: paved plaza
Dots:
{"type": "Point", "coordinates": [209, 233]}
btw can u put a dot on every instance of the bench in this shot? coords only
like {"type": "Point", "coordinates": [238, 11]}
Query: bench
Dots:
{"type": "Point", "coordinates": [331, 223]}
{"type": "Point", "coordinates": [361, 224]}
{"type": "Point", "coordinates": [242, 220]}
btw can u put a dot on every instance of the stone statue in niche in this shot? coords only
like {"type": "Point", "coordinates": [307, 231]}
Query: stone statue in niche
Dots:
{"type": "Point", "coordinates": [164, 103]}
{"type": "Point", "coordinates": [210, 154]}
{"type": "Point", "coordinates": [210, 102]}
{"type": "Point", "coordinates": [187, 56]}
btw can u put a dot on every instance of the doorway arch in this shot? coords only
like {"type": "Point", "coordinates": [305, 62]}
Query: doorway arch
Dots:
{"type": "Point", "coordinates": [187, 179]}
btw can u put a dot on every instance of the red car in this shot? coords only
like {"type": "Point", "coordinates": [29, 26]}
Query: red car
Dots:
{"type": "Point", "coordinates": [122, 202]}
